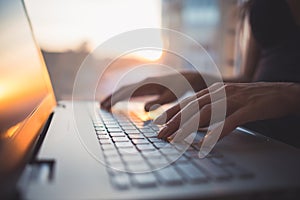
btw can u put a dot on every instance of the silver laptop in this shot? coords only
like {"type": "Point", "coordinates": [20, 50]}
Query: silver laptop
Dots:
{"type": "Point", "coordinates": [75, 150]}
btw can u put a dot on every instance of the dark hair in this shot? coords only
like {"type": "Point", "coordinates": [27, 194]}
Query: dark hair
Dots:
{"type": "Point", "coordinates": [245, 9]}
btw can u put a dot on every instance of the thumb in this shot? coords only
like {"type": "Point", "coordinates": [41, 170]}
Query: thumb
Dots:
{"type": "Point", "coordinates": [166, 97]}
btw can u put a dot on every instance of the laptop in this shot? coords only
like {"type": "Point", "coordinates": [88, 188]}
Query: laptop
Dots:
{"type": "Point", "coordinates": [75, 150]}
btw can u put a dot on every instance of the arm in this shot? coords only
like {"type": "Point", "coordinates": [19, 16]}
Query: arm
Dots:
{"type": "Point", "coordinates": [243, 102]}
{"type": "Point", "coordinates": [250, 61]}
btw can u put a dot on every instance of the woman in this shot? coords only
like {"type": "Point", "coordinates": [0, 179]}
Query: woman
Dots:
{"type": "Point", "coordinates": [271, 102]}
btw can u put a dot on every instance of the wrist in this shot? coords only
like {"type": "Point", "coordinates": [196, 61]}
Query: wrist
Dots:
{"type": "Point", "coordinates": [195, 79]}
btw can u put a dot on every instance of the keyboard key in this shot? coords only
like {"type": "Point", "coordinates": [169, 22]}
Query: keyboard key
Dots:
{"type": "Point", "coordinates": [100, 129]}
{"type": "Point", "coordinates": [191, 173]}
{"type": "Point", "coordinates": [162, 145]}
{"type": "Point", "coordinates": [215, 171]}
{"type": "Point", "coordinates": [129, 132]}
{"type": "Point", "coordinates": [149, 135]}
{"type": "Point", "coordinates": [103, 137]}
{"type": "Point", "coordinates": [124, 144]}
{"type": "Point", "coordinates": [117, 134]}
{"type": "Point", "coordinates": [128, 127]}
{"type": "Point", "coordinates": [146, 130]}
{"type": "Point", "coordinates": [121, 181]}
{"type": "Point", "coordinates": [144, 180]}
{"type": "Point", "coordinates": [138, 167]}
{"type": "Point", "coordinates": [136, 136]}
{"type": "Point", "coordinates": [156, 140]}
{"type": "Point", "coordinates": [106, 141]}
{"type": "Point", "coordinates": [144, 147]}
{"type": "Point", "coordinates": [154, 127]}
{"type": "Point", "coordinates": [98, 124]}
{"type": "Point", "coordinates": [120, 139]}
{"type": "Point", "coordinates": [173, 158]}
{"type": "Point", "coordinates": [114, 130]}
{"type": "Point", "coordinates": [112, 126]}
{"type": "Point", "coordinates": [101, 132]}
{"type": "Point", "coordinates": [132, 158]}
{"type": "Point", "coordinates": [125, 123]}
{"type": "Point", "coordinates": [169, 151]}
{"type": "Point", "coordinates": [151, 154]}
{"type": "Point", "coordinates": [158, 162]}
{"type": "Point", "coordinates": [110, 121]}
{"type": "Point", "coordinates": [169, 176]}
{"type": "Point", "coordinates": [128, 151]}
{"type": "Point", "coordinates": [140, 141]}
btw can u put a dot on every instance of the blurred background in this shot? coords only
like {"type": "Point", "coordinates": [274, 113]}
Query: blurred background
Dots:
{"type": "Point", "coordinates": [68, 30]}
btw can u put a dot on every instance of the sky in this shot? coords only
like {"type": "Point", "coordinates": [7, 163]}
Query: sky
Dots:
{"type": "Point", "coordinates": [61, 25]}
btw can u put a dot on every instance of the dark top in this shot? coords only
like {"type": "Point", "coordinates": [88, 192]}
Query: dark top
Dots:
{"type": "Point", "coordinates": [275, 30]}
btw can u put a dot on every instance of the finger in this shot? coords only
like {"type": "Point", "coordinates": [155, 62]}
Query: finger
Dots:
{"type": "Point", "coordinates": [215, 86]}
{"type": "Point", "coordinates": [183, 116]}
{"type": "Point", "coordinates": [166, 97]}
{"type": "Point", "coordinates": [202, 105]}
{"type": "Point", "coordinates": [134, 90]}
{"type": "Point", "coordinates": [186, 130]}
{"type": "Point", "coordinates": [210, 113]}
{"type": "Point", "coordinates": [171, 112]}
{"type": "Point", "coordinates": [120, 94]}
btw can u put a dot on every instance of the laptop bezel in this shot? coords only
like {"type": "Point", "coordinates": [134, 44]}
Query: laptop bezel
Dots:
{"type": "Point", "coordinates": [15, 151]}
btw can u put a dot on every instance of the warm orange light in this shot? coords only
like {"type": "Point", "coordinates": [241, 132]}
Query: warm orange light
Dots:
{"type": "Point", "coordinates": [10, 132]}
{"type": "Point", "coordinates": [97, 22]}
{"type": "Point", "coordinates": [151, 55]}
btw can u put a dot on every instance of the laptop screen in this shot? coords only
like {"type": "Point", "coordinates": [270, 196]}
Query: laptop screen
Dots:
{"type": "Point", "coordinates": [24, 82]}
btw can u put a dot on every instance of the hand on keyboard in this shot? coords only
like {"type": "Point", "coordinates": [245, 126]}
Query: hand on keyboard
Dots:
{"type": "Point", "coordinates": [168, 88]}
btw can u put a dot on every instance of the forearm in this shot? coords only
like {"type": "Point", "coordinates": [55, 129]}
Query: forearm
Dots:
{"type": "Point", "coordinates": [293, 98]}
{"type": "Point", "coordinates": [200, 81]}
{"type": "Point", "coordinates": [238, 79]}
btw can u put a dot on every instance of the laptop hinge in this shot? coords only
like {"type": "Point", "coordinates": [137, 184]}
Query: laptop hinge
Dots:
{"type": "Point", "coordinates": [40, 139]}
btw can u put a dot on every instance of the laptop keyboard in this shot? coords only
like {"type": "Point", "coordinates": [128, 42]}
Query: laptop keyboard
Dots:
{"type": "Point", "coordinates": [135, 157]}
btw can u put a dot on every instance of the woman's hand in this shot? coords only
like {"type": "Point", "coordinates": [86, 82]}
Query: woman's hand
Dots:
{"type": "Point", "coordinates": [245, 102]}
{"type": "Point", "coordinates": [163, 86]}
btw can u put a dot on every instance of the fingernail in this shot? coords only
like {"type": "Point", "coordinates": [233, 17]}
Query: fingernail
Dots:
{"type": "Point", "coordinates": [178, 136]}
{"type": "Point", "coordinates": [170, 138]}
{"type": "Point", "coordinates": [147, 107]}
{"type": "Point", "coordinates": [202, 154]}
{"type": "Point", "coordinates": [204, 150]}
{"type": "Point", "coordinates": [162, 132]}
{"type": "Point", "coordinates": [158, 120]}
